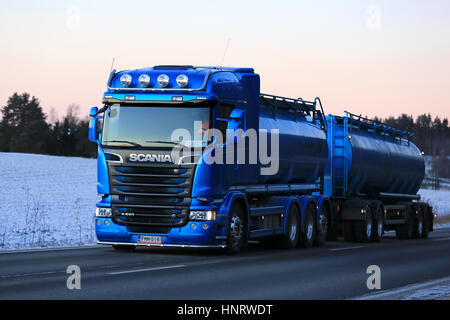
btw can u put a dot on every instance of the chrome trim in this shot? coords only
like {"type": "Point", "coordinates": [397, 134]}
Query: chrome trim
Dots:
{"type": "Point", "coordinates": [115, 154]}
{"type": "Point", "coordinates": [223, 246]}
{"type": "Point", "coordinates": [205, 81]}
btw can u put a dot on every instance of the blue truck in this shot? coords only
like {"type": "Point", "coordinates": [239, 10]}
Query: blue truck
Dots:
{"type": "Point", "coordinates": [326, 176]}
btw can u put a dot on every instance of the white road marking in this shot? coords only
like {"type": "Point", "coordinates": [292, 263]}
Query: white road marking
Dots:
{"type": "Point", "coordinates": [29, 274]}
{"type": "Point", "coordinates": [148, 269]}
{"type": "Point", "coordinates": [405, 289]}
{"type": "Point", "coordinates": [346, 248]}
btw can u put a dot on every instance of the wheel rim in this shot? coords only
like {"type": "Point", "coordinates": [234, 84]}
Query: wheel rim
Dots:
{"type": "Point", "coordinates": [420, 226]}
{"type": "Point", "coordinates": [293, 229]}
{"type": "Point", "coordinates": [236, 230]}
{"type": "Point", "coordinates": [369, 228]}
{"type": "Point", "coordinates": [324, 222]}
{"type": "Point", "coordinates": [380, 227]}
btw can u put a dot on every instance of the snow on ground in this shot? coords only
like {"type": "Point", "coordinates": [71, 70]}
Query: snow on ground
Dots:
{"type": "Point", "coordinates": [46, 201]}
{"type": "Point", "coordinates": [439, 200]}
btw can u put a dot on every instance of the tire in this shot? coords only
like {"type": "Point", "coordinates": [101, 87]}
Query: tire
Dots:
{"type": "Point", "coordinates": [418, 224]}
{"type": "Point", "coordinates": [363, 228]}
{"type": "Point", "coordinates": [348, 231]}
{"type": "Point", "coordinates": [123, 248]}
{"type": "Point", "coordinates": [427, 221]}
{"type": "Point", "coordinates": [322, 234]}
{"type": "Point", "coordinates": [309, 231]}
{"type": "Point", "coordinates": [378, 225]}
{"type": "Point", "coordinates": [290, 240]}
{"type": "Point", "coordinates": [405, 231]}
{"type": "Point", "coordinates": [236, 230]}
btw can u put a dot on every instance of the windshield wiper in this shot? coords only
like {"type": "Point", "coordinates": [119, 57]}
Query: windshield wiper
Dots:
{"type": "Point", "coordinates": [125, 141]}
{"type": "Point", "coordinates": [160, 141]}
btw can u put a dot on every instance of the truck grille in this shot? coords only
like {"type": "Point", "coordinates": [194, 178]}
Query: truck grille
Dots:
{"type": "Point", "coordinates": [156, 195]}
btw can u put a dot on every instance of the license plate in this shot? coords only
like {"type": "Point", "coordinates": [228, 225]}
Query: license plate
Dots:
{"type": "Point", "coordinates": [149, 239]}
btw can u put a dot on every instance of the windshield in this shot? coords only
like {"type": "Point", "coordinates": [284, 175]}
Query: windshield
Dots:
{"type": "Point", "coordinates": [152, 125]}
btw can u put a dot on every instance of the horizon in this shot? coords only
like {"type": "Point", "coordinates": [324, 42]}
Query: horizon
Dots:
{"type": "Point", "coordinates": [374, 58]}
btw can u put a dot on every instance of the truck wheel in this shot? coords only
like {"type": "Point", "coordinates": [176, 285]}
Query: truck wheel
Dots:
{"type": "Point", "coordinates": [405, 231]}
{"type": "Point", "coordinates": [427, 220]}
{"type": "Point", "coordinates": [290, 240]}
{"type": "Point", "coordinates": [363, 229]}
{"type": "Point", "coordinates": [321, 236]}
{"type": "Point", "coordinates": [348, 231]}
{"type": "Point", "coordinates": [119, 247]}
{"type": "Point", "coordinates": [418, 224]}
{"type": "Point", "coordinates": [309, 232]}
{"type": "Point", "coordinates": [377, 228]}
{"type": "Point", "coordinates": [236, 231]}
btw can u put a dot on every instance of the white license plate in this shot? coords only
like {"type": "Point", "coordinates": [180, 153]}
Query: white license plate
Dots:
{"type": "Point", "coordinates": [149, 239]}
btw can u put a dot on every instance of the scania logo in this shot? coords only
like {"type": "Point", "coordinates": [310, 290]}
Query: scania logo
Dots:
{"type": "Point", "coordinates": [140, 157]}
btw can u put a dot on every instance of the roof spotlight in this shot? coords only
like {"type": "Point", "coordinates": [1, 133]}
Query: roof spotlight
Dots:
{"type": "Point", "coordinates": [144, 80]}
{"type": "Point", "coordinates": [125, 80]}
{"type": "Point", "coordinates": [182, 81]}
{"type": "Point", "coordinates": [163, 80]}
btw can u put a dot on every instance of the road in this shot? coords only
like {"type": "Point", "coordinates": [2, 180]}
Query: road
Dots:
{"type": "Point", "coordinates": [334, 271]}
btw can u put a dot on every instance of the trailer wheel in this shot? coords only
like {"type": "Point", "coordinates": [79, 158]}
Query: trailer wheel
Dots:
{"type": "Point", "coordinates": [418, 224]}
{"type": "Point", "coordinates": [119, 247]}
{"type": "Point", "coordinates": [427, 221]}
{"type": "Point", "coordinates": [348, 231]}
{"type": "Point", "coordinates": [321, 236]}
{"type": "Point", "coordinates": [290, 240]}
{"type": "Point", "coordinates": [363, 228]}
{"type": "Point", "coordinates": [309, 232]}
{"type": "Point", "coordinates": [377, 228]}
{"type": "Point", "coordinates": [405, 231]}
{"type": "Point", "coordinates": [236, 231]}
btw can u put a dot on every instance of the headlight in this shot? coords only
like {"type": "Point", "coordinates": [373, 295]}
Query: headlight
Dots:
{"type": "Point", "coordinates": [125, 80]}
{"type": "Point", "coordinates": [202, 215]}
{"type": "Point", "coordinates": [103, 212]}
{"type": "Point", "coordinates": [182, 81]}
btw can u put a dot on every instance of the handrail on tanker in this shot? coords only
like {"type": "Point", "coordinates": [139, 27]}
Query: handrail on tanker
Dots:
{"type": "Point", "coordinates": [360, 121]}
{"type": "Point", "coordinates": [310, 105]}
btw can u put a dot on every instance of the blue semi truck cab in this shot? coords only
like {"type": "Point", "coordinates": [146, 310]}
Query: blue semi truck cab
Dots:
{"type": "Point", "coordinates": [199, 157]}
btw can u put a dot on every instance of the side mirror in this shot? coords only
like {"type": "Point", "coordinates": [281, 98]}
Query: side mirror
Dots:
{"type": "Point", "coordinates": [93, 112]}
{"type": "Point", "coordinates": [93, 125]}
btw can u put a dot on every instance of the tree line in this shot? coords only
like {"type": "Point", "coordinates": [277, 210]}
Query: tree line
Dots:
{"type": "Point", "coordinates": [25, 128]}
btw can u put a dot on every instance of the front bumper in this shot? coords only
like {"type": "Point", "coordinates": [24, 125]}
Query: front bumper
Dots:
{"type": "Point", "coordinates": [111, 233]}
{"type": "Point", "coordinates": [221, 246]}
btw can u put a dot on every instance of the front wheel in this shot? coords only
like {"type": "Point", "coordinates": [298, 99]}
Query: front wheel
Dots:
{"type": "Point", "coordinates": [377, 228]}
{"type": "Point", "coordinates": [236, 231]}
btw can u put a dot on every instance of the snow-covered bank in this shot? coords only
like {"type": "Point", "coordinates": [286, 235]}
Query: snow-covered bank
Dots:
{"type": "Point", "coordinates": [46, 201]}
{"type": "Point", "coordinates": [439, 200]}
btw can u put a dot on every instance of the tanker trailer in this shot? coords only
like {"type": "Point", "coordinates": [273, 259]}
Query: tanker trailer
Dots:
{"type": "Point", "coordinates": [372, 177]}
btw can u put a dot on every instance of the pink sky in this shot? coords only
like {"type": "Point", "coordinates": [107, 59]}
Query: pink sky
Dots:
{"type": "Point", "coordinates": [380, 60]}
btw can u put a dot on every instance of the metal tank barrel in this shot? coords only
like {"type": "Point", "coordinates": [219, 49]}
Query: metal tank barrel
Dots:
{"type": "Point", "coordinates": [369, 158]}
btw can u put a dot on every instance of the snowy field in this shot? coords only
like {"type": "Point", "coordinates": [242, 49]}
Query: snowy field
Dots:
{"type": "Point", "coordinates": [49, 201]}
{"type": "Point", "coordinates": [46, 201]}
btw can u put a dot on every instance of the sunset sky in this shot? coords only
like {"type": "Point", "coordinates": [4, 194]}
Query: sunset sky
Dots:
{"type": "Point", "coordinates": [369, 57]}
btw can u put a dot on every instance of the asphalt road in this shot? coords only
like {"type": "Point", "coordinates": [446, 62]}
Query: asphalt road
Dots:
{"type": "Point", "coordinates": [335, 271]}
